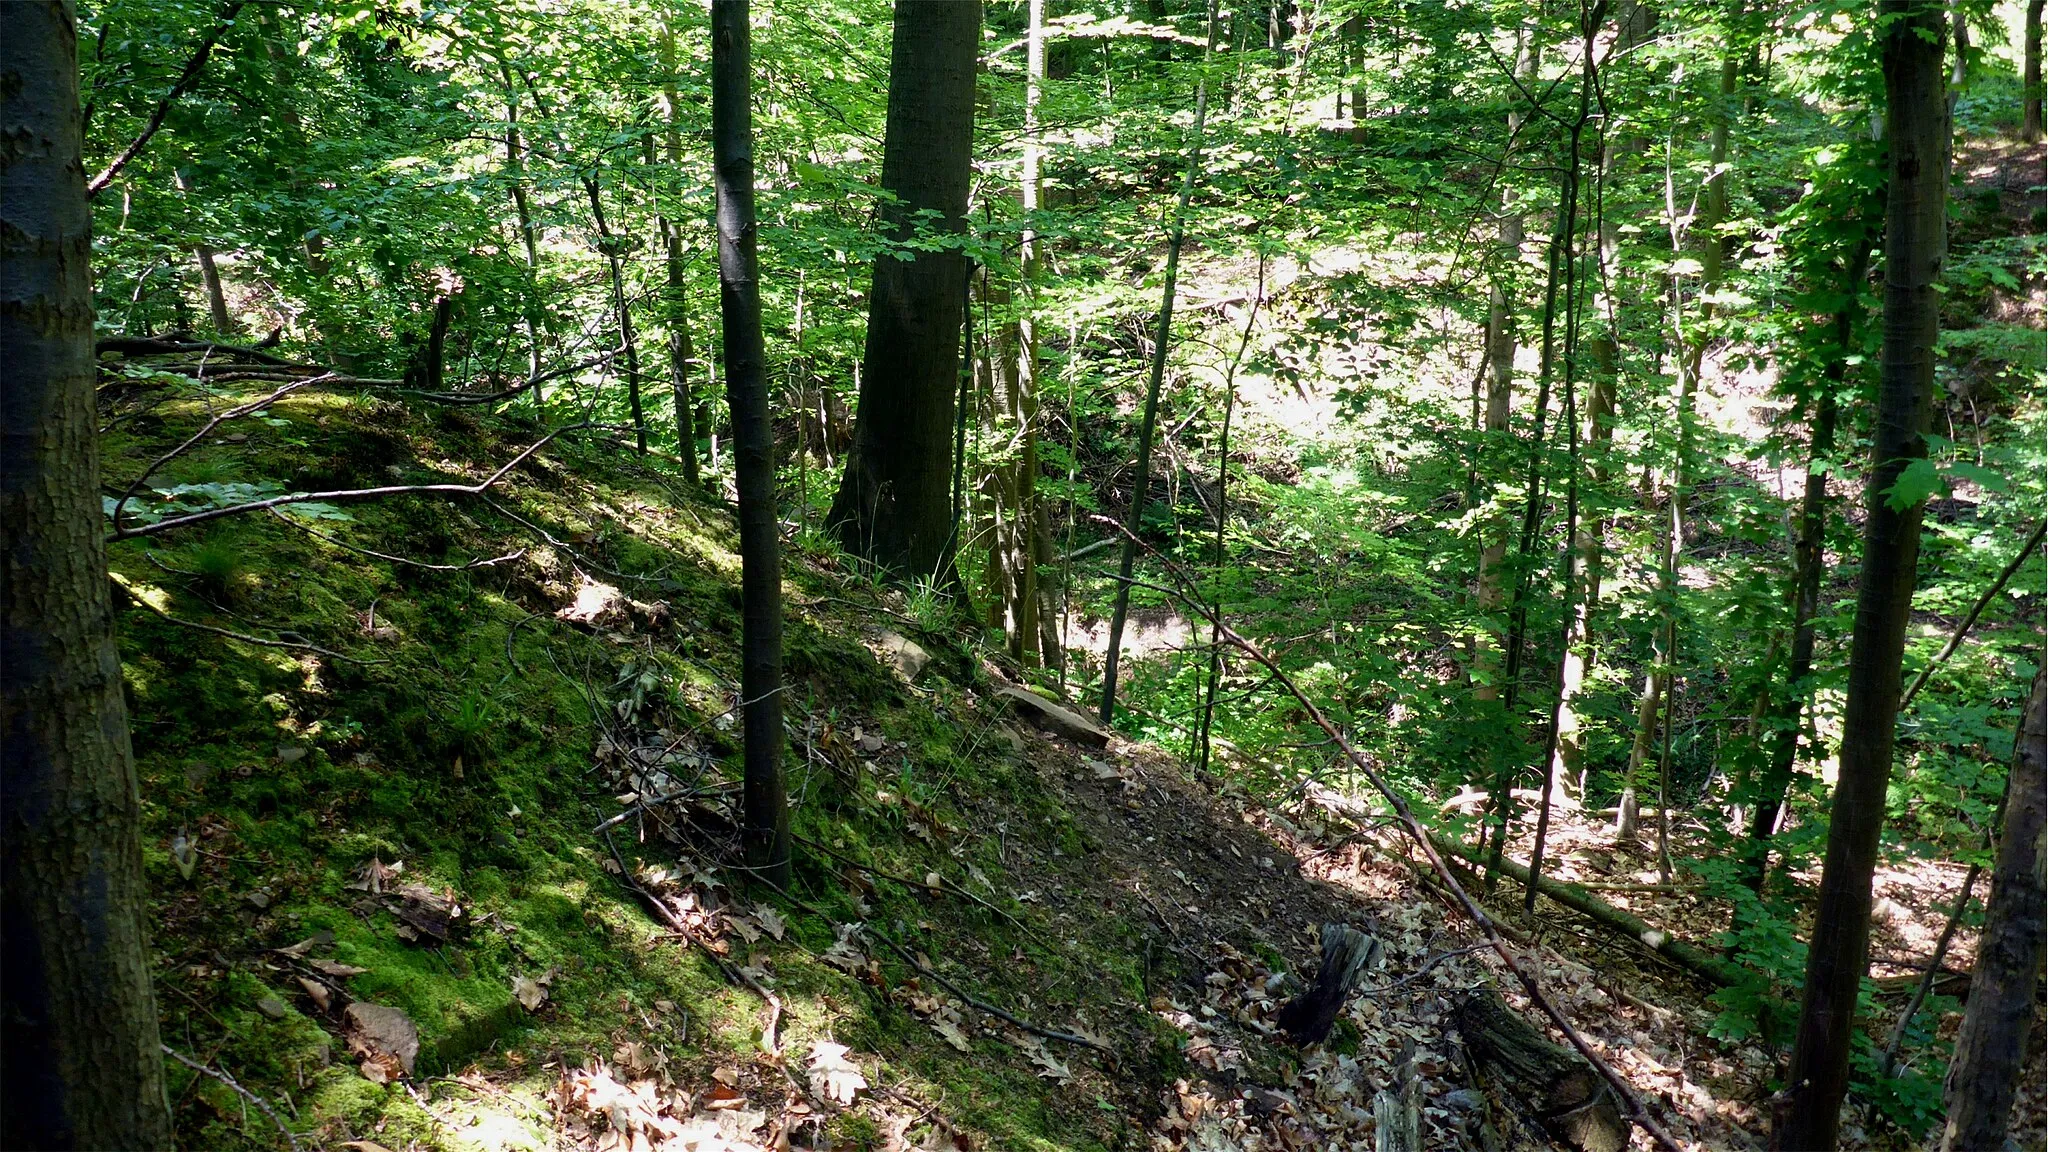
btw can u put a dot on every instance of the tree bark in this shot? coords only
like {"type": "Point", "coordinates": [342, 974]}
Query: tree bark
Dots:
{"type": "Point", "coordinates": [766, 805]}
{"type": "Point", "coordinates": [1548, 1083]}
{"type": "Point", "coordinates": [1916, 124]}
{"type": "Point", "coordinates": [894, 500]}
{"type": "Point", "coordinates": [78, 1026]}
{"type": "Point", "coordinates": [515, 164]}
{"type": "Point", "coordinates": [1993, 1043]}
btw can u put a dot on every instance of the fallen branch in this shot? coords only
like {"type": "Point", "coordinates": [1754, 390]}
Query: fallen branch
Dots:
{"type": "Point", "coordinates": [945, 885]}
{"type": "Point", "coordinates": [1700, 963]}
{"type": "Point", "coordinates": [339, 543]}
{"type": "Point", "coordinates": [178, 345]}
{"type": "Point", "coordinates": [1632, 1105]}
{"type": "Point", "coordinates": [244, 637]}
{"type": "Point", "coordinates": [261, 1105]}
{"type": "Point", "coordinates": [206, 429]}
{"type": "Point", "coordinates": [663, 913]}
{"type": "Point", "coordinates": [344, 494]}
{"type": "Point", "coordinates": [506, 394]}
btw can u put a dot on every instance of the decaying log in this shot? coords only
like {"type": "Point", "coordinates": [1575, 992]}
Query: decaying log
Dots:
{"type": "Point", "coordinates": [1547, 1083]}
{"type": "Point", "coordinates": [1695, 960]}
{"type": "Point", "coordinates": [1397, 1109]}
{"type": "Point", "coordinates": [1348, 955]}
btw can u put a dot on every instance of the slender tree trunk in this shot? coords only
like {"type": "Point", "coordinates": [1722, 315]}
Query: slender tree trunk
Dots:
{"type": "Point", "coordinates": [746, 386]}
{"type": "Point", "coordinates": [677, 301]}
{"type": "Point", "coordinates": [2030, 129]}
{"type": "Point", "coordinates": [608, 244]}
{"type": "Point", "coordinates": [1657, 685]}
{"type": "Point", "coordinates": [1809, 562]}
{"type": "Point", "coordinates": [1915, 219]}
{"type": "Point", "coordinates": [79, 1040]}
{"type": "Point", "coordinates": [515, 164]}
{"type": "Point", "coordinates": [1489, 593]}
{"type": "Point", "coordinates": [893, 504]}
{"type": "Point", "coordinates": [1214, 679]}
{"type": "Point", "coordinates": [1992, 1045]}
{"type": "Point", "coordinates": [1148, 422]}
{"type": "Point", "coordinates": [1014, 553]}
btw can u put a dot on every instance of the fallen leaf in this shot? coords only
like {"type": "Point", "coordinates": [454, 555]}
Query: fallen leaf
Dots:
{"type": "Point", "coordinates": [832, 1075]}
{"type": "Point", "coordinates": [365, 1146]}
{"type": "Point", "coordinates": [950, 1032]}
{"type": "Point", "coordinates": [374, 874]}
{"type": "Point", "coordinates": [335, 969]}
{"type": "Point", "coordinates": [322, 998]}
{"type": "Point", "coordinates": [386, 1038]}
{"type": "Point", "coordinates": [529, 992]}
{"type": "Point", "coordinates": [770, 920]}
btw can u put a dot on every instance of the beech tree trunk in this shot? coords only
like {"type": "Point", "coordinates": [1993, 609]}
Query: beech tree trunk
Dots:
{"type": "Point", "coordinates": [766, 805]}
{"type": "Point", "coordinates": [894, 504]}
{"type": "Point", "coordinates": [78, 1027]}
{"type": "Point", "coordinates": [1916, 125]}
{"type": "Point", "coordinates": [1993, 1043]}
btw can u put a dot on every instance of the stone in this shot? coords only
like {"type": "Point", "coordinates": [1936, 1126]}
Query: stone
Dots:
{"type": "Point", "coordinates": [1052, 716]}
{"type": "Point", "coordinates": [907, 656]}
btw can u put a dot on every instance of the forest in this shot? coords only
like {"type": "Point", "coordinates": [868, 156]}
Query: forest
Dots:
{"type": "Point", "coordinates": [702, 575]}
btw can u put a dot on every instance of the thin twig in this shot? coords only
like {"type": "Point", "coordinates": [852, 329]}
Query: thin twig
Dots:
{"type": "Point", "coordinates": [312, 531]}
{"type": "Point", "coordinates": [667, 916]}
{"type": "Point", "coordinates": [244, 637]}
{"type": "Point", "coordinates": [239, 410]}
{"type": "Point", "coordinates": [944, 883]}
{"type": "Point", "coordinates": [261, 1105]}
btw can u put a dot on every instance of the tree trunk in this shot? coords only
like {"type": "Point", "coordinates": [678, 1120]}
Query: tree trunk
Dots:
{"type": "Point", "coordinates": [1993, 1043]}
{"type": "Point", "coordinates": [766, 806]}
{"type": "Point", "coordinates": [2030, 129]}
{"type": "Point", "coordinates": [894, 499]}
{"type": "Point", "coordinates": [609, 245]}
{"type": "Point", "coordinates": [1916, 128]}
{"type": "Point", "coordinates": [1548, 1083]}
{"type": "Point", "coordinates": [1810, 559]}
{"type": "Point", "coordinates": [1149, 420]}
{"type": "Point", "coordinates": [515, 163]}
{"type": "Point", "coordinates": [677, 301]}
{"type": "Point", "coordinates": [80, 1035]}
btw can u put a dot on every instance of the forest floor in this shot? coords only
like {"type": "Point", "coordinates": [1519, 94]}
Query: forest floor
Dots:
{"type": "Point", "coordinates": [390, 901]}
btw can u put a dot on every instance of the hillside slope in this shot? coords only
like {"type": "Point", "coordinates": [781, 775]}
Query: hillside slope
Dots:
{"type": "Point", "coordinates": [480, 775]}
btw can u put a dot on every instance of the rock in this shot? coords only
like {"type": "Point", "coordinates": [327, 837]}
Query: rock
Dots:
{"type": "Point", "coordinates": [1053, 716]}
{"type": "Point", "coordinates": [272, 1007]}
{"type": "Point", "coordinates": [909, 658]}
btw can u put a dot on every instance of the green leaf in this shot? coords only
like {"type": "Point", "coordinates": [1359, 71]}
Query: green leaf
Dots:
{"type": "Point", "coordinates": [1916, 482]}
{"type": "Point", "coordinates": [1985, 478]}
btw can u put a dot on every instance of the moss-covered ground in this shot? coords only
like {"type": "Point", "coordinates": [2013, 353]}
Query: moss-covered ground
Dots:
{"type": "Point", "coordinates": [446, 719]}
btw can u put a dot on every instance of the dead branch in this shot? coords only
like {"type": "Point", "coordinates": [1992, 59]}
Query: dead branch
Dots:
{"type": "Point", "coordinates": [339, 543]}
{"type": "Point", "coordinates": [466, 398]}
{"type": "Point", "coordinates": [1632, 1104]}
{"type": "Point", "coordinates": [236, 412]}
{"type": "Point", "coordinates": [345, 494]}
{"type": "Point", "coordinates": [262, 1105]}
{"type": "Point", "coordinates": [244, 637]}
{"type": "Point", "coordinates": [193, 68]}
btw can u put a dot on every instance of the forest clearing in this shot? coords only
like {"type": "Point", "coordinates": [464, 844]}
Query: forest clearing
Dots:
{"type": "Point", "coordinates": [643, 576]}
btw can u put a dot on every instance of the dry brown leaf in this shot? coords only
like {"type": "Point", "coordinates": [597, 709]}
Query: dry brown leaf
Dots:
{"type": "Point", "coordinates": [770, 920]}
{"type": "Point", "coordinates": [386, 1038]}
{"type": "Point", "coordinates": [832, 1075]}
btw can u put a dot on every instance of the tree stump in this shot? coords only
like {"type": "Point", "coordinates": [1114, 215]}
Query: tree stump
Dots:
{"type": "Point", "coordinates": [1545, 1082]}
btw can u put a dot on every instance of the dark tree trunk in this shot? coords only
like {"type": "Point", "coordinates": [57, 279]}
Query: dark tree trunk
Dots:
{"type": "Point", "coordinates": [746, 388]}
{"type": "Point", "coordinates": [78, 1029]}
{"type": "Point", "coordinates": [515, 163]}
{"type": "Point", "coordinates": [1810, 560]}
{"type": "Point", "coordinates": [894, 502]}
{"type": "Point", "coordinates": [2031, 126]}
{"type": "Point", "coordinates": [1993, 1042]}
{"type": "Point", "coordinates": [1916, 125]}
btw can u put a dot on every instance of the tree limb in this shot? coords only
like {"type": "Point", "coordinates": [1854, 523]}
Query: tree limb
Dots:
{"type": "Point", "coordinates": [193, 68]}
